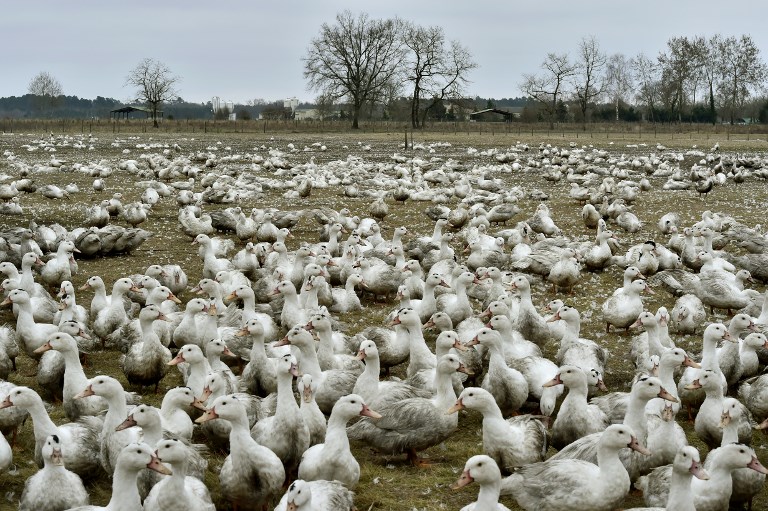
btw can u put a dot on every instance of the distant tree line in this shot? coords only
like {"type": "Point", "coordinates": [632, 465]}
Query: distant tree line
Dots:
{"type": "Point", "coordinates": [696, 79]}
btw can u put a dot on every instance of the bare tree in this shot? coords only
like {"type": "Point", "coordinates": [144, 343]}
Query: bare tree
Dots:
{"type": "Point", "coordinates": [646, 73]}
{"type": "Point", "coordinates": [742, 71]}
{"type": "Point", "coordinates": [548, 87]}
{"type": "Point", "coordinates": [155, 83]}
{"type": "Point", "coordinates": [707, 55]}
{"type": "Point", "coordinates": [679, 69]}
{"type": "Point", "coordinates": [437, 70]}
{"type": "Point", "coordinates": [588, 68]}
{"type": "Point", "coordinates": [618, 79]}
{"type": "Point", "coordinates": [46, 88]}
{"type": "Point", "coordinates": [355, 59]}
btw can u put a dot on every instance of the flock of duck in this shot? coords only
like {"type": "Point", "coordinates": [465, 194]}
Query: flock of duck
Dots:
{"type": "Point", "coordinates": [275, 375]}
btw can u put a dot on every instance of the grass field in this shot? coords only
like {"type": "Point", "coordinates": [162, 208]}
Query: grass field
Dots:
{"type": "Point", "coordinates": [385, 483]}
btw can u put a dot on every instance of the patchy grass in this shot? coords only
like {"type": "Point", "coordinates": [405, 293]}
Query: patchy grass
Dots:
{"type": "Point", "coordinates": [386, 483]}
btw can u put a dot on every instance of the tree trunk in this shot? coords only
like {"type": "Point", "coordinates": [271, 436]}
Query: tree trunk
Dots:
{"type": "Point", "coordinates": [617, 109]}
{"type": "Point", "coordinates": [712, 111]}
{"type": "Point", "coordinates": [356, 107]}
{"type": "Point", "coordinates": [415, 109]}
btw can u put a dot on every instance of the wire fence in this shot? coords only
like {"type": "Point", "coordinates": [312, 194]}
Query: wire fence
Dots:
{"type": "Point", "coordinates": [611, 131]}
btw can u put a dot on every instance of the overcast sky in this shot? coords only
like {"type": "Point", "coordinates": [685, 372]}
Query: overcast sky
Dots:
{"type": "Point", "coordinates": [245, 49]}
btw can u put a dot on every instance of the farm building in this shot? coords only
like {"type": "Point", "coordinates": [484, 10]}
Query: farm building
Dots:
{"type": "Point", "coordinates": [504, 114]}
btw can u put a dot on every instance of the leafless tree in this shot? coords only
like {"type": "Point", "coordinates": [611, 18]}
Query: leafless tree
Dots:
{"type": "Point", "coordinates": [742, 72]}
{"type": "Point", "coordinates": [155, 83]}
{"type": "Point", "coordinates": [355, 59]}
{"type": "Point", "coordinates": [437, 69]}
{"type": "Point", "coordinates": [679, 70]}
{"type": "Point", "coordinates": [588, 69]}
{"type": "Point", "coordinates": [547, 88]}
{"type": "Point", "coordinates": [706, 53]}
{"type": "Point", "coordinates": [46, 88]}
{"type": "Point", "coordinates": [324, 106]}
{"type": "Point", "coordinates": [618, 79]}
{"type": "Point", "coordinates": [646, 73]}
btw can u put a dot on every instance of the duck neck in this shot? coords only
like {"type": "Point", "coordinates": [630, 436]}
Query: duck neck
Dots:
{"type": "Point", "coordinates": [437, 234]}
{"type": "Point", "coordinates": [421, 357]}
{"type": "Point", "coordinates": [654, 345]}
{"type": "Point", "coordinates": [257, 349]}
{"type": "Point", "coordinates": [117, 411]}
{"type": "Point", "coordinates": [240, 434]}
{"type": "Point", "coordinates": [577, 395]}
{"type": "Point", "coordinates": [147, 332]}
{"type": "Point", "coordinates": [635, 416]}
{"type": "Point", "coordinates": [309, 362]}
{"type": "Point", "coordinates": [27, 279]}
{"type": "Point", "coordinates": [611, 467]}
{"type": "Point", "coordinates": [680, 496]}
{"type": "Point", "coordinates": [125, 493]}
{"type": "Point", "coordinates": [709, 356]}
{"type": "Point", "coordinates": [488, 496]}
{"type": "Point", "coordinates": [41, 421]}
{"type": "Point", "coordinates": [444, 395]}
{"type": "Point", "coordinates": [286, 403]}
{"type": "Point", "coordinates": [572, 331]}
{"type": "Point", "coordinates": [667, 377]}
{"type": "Point", "coordinates": [336, 439]}
{"type": "Point", "coordinates": [153, 431]}
{"type": "Point", "coordinates": [367, 384]}
{"type": "Point", "coordinates": [730, 433]}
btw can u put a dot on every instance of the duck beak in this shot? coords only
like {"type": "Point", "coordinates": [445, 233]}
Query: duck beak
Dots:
{"type": "Point", "coordinates": [457, 344]}
{"type": "Point", "coordinates": [205, 395]}
{"type": "Point", "coordinates": [725, 419]}
{"type": "Point", "coordinates": [306, 394]}
{"type": "Point", "coordinates": [309, 326]}
{"type": "Point", "coordinates": [474, 341]}
{"type": "Point", "coordinates": [57, 458]}
{"type": "Point", "coordinates": [728, 337]}
{"type": "Point", "coordinates": [429, 324]}
{"type": "Point", "coordinates": [7, 301]}
{"type": "Point", "coordinates": [444, 284]}
{"type": "Point", "coordinates": [360, 355]}
{"type": "Point", "coordinates": [228, 352]}
{"type": "Point", "coordinates": [462, 369]}
{"type": "Point", "coordinates": [649, 290]}
{"type": "Point", "coordinates": [172, 297]}
{"type": "Point", "coordinates": [455, 408]}
{"type": "Point", "coordinates": [635, 445]}
{"type": "Point", "coordinates": [162, 317]}
{"type": "Point", "coordinates": [757, 466]}
{"type": "Point", "coordinates": [87, 392]}
{"type": "Point", "coordinates": [601, 385]}
{"type": "Point", "coordinates": [663, 394]}
{"type": "Point", "coordinates": [209, 415]}
{"type": "Point", "coordinates": [178, 359]}
{"type": "Point", "coordinates": [198, 403]}
{"type": "Point", "coordinates": [283, 342]}
{"type": "Point", "coordinates": [663, 320]}
{"type": "Point", "coordinates": [695, 384]}
{"type": "Point", "coordinates": [762, 425]}
{"type": "Point", "coordinates": [697, 469]}
{"type": "Point", "coordinates": [464, 480]}
{"type": "Point", "coordinates": [688, 361]}
{"type": "Point", "coordinates": [231, 296]}
{"type": "Point", "coordinates": [127, 423]}
{"type": "Point", "coordinates": [62, 306]}
{"type": "Point", "coordinates": [554, 381]}
{"type": "Point", "coordinates": [291, 506]}
{"type": "Point", "coordinates": [158, 467]}
{"type": "Point", "coordinates": [294, 371]}
{"type": "Point", "coordinates": [242, 332]}
{"type": "Point", "coordinates": [7, 403]}
{"type": "Point", "coordinates": [555, 317]}
{"type": "Point", "coordinates": [395, 321]}
{"type": "Point", "coordinates": [45, 347]}
{"type": "Point", "coordinates": [636, 324]}
{"type": "Point", "coordinates": [84, 287]}
{"type": "Point", "coordinates": [367, 412]}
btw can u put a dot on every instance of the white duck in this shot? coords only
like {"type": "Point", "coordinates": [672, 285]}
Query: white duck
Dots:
{"type": "Point", "coordinates": [251, 475]}
{"type": "Point", "coordinates": [576, 418]}
{"type": "Point", "coordinates": [686, 465]}
{"type": "Point", "coordinates": [316, 496]}
{"type": "Point", "coordinates": [507, 385]}
{"type": "Point", "coordinates": [285, 433]}
{"type": "Point", "coordinates": [621, 310]}
{"type": "Point", "coordinates": [112, 441]}
{"type": "Point", "coordinates": [53, 487]}
{"type": "Point", "coordinates": [178, 491]}
{"type": "Point", "coordinates": [310, 412]}
{"type": "Point", "coordinates": [416, 423]}
{"type": "Point", "coordinates": [130, 462]}
{"type": "Point", "coordinates": [333, 460]}
{"type": "Point", "coordinates": [512, 442]}
{"type": "Point", "coordinates": [554, 485]}
{"type": "Point", "coordinates": [483, 470]}
{"type": "Point", "coordinates": [79, 440]}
